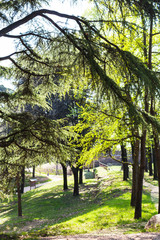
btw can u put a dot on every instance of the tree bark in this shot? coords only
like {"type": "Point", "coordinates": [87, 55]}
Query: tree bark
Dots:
{"type": "Point", "coordinates": [155, 176]}
{"type": "Point", "coordinates": [135, 157]}
{"type": "Point", "coordinates": [157, 153]}
{"type": "Point", "coordinates": [19, 196]}
{"type": "Point", "coordinates": [33, 173]}
{"type": "Point", "coordinates": [149, 154]}
{"type": "Point", "coordinates": [81, 175]}
{"type": "Point", "coordinates": [147, 161]}
{"type": "Point", "coordinates": [138, 206]}
{"type": "Point", "coordinates": [125, 165]}
{"type": "Point", "coordinates": [22, 179]}
{"type": "Point", "coordinates": [76, 186]}
{"type": "Point", "coordinates": [65, 184]}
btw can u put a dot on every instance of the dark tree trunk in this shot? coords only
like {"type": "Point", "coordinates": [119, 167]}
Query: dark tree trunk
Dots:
{"type": "Point", "coordinates": [135, 157]}
{"type": "Point", "coordinates": [19, 196]}
{"type": "Point", "coordinates": [149, 155]}
{"type": "Point", "coordinates": [81, 175]}
{"type": "Point", "coordinates": [138, 207]}
{"type": "Point", "coordinates": [65, 185]}
{"type": "Point", "coordinates": [76, 186]}
{"type": "Point", "coordinates": [33, 173]}
{"type": "Point", "coordinates": [22, 179]}
{"type": "Point", "coordinates": [157, 153]}
{"type": "Point", "coordinates": [147, 161]}
{"type": "Point", "coordinates": [125, 165]}
{"type": "Point", "coordinates": [155, 176]}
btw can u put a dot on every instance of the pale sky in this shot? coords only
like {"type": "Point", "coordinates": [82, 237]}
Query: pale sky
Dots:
{"type": "Point", "coordinates": [57, 5]}
{"type": "Point", "coordinates": [76, 9]}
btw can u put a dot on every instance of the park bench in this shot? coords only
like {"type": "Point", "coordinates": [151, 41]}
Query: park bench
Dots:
{"type": "Point", "coordinates": [33, 183]}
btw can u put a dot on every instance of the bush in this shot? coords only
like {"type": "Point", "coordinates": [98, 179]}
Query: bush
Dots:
{"type": "Point", "coordinates": [89, 175]}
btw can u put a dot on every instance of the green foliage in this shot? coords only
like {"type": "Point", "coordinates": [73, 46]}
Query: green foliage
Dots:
{"type": "Point", "coordinates": [33, 142]}
{"type": "Point", "coordinates": [17, 5]}
{"type": "Point", "coordinates": [89, 174]}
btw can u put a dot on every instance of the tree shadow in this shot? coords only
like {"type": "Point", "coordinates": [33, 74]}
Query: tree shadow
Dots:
{"type": "Point", "coordinates": [55, 206]}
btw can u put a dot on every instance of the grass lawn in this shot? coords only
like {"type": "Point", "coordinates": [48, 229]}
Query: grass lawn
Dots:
{"type": "Point", "coordinates": [103, 205]}
{"type": "Point", "coordinates": [150, 179]}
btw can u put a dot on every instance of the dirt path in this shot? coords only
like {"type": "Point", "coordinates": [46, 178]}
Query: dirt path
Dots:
{"type": "Point", "coordinates": [54, 178]}
{"type": "Point", "coordinates": [138, 236]}
{"type": "Point", "coordinates": [154, 192]}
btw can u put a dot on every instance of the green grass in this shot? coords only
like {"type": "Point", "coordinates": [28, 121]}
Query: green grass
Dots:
{"type": "Point", "coordinates": [103, 204]}
{"type": "Point", "coordinates": [150, 179]}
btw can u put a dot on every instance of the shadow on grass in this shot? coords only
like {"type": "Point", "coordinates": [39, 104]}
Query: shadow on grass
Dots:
{"type": "Point", "coordinates": [51, 210]}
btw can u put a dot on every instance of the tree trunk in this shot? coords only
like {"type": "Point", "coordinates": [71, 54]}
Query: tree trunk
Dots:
{"type": "Point", "coordinates": [22, 179]}
{"type": "Point", "coordinates": [81, 175]}
{"type": "Point", "coordinates": [125, 165]}
{"type": "Point", "coordinates": [147, 58]}
{"type": "Point", "coordinates": [135, 157]}
{"type": "Point", "coordinates": [147, 161]}
{"type": "Point", "coordinates": [33, 173]}
{"type": "Point", "coordinates": [149, 154]}
{"type": "Point", "coordinates": [157, 153]}
{"type": "Point", "coordinates": [76, 186]}
{"type": "Point", "coordinates": [65, 185]}
{"type": "Point", "coordinates": [19, 196]}
{"type": "Point", "coordinates": [155, 176]}
{"type": "Point", "coordinates": [138, 207]}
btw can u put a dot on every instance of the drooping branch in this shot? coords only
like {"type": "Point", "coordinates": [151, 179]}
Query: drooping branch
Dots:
{"type": "Point", "coordinates": [26, 149]}
{"type": "Point", "coordinates": [26, 35]}
{"type": "Point", "coordinates": [27, 71]}
{"type": "Point", "coordinates": [32, 16]}
{"type": "Point", "coordinates": [30, 49]}
{"type": "Point", "coordinates": [9, 56]}
{"type": "Point", "coordinates": [117, 160]}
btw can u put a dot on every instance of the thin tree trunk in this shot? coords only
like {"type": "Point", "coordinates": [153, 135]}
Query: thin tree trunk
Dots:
{"type": "Point", "coordinates": [33, 173]}
{"type": "Point", "coordinates": [157, 153]}
{"type": "Point", "coordinates": [19, 196]}
{"type": "Point", "coordinates": [65, 184]}
{"type": "Point", "coordinates": [150, 161]}
{"type": "Point", "coordinates": [81, 175]}
{"type": "Point", "coordinates": [125, 165]}
{"type": "Point", "coordinates": [23, 179]}
{"type": "Point", "coordinates": [155, 176]}
{"type": "Point", "coordinates": [152, 109]}
{"type": "Point", "coordinates": [138, 207]}
{"type": "Point", "coordinates": [76, 186]}
{"type": "Point", "coordinates": [147, 161]}
{"type": "Point", "coordinates": [135, 157]}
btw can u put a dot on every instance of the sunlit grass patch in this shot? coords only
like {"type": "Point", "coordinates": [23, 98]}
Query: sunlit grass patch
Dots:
{"type": "Point", "coordinates": [102, 204]}
{"type": "Point", "coordinates": [150, 180]}
{"type": "Point", "coordinates": [115, 212]}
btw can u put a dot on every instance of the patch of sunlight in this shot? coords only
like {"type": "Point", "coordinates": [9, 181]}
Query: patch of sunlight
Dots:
{"type": "Point", "coordinates": [3, 220]}
{"type": "Point", "coordinates": [5, 212]}
{"type": "Point", "coordinates": [115, 168]}
{"type": "Point", "coordinates": [49, 197]}
{"type": "Point", "coordinates": [58, 196]}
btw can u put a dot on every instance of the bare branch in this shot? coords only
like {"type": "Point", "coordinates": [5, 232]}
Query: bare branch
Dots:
{"type": "Point", "coordinates": [9, 56]}
{"type": "Point", "coordinates": [32, 16]}
{"type": "Point", "coordinates": [117, 160]}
